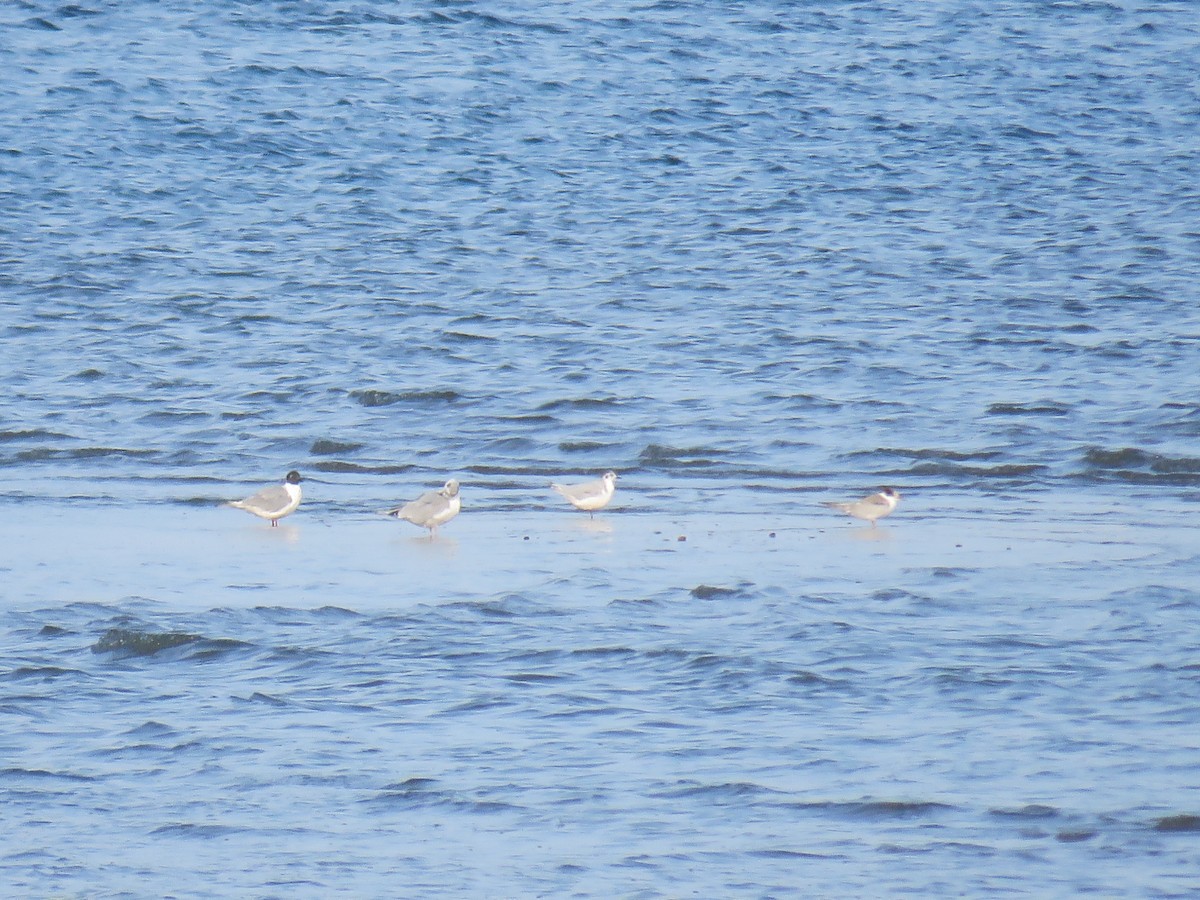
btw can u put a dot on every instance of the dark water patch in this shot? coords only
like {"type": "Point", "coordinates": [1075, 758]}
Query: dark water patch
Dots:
{"type": "Point", "coordinates": [528, 420]}
{"type": "Point", "coordinates": [659, 456]}
{"type": "Point", "coordinates": [72, 11]}
{"type": "Point", "coordinates": [584, 446]}
{"type": "Point", "coordinates": [195, 830]}
{"type": "Point", "coordinates": [1032, 811]}
{"type": "Point", "coordinates": [53, 631]}
{"type": "Point", "coordinates": [1133, 464]}
{"type": "Point", "coordinates": [586, 709]}
{"type": "Point", "coordinates": [510, 606]}
{"type": "Point", "coordinates": [580, 403]}
{"type": "Point", "coordinates": [16, 773]}
{"type": "Point", "coordinates": [373, 398]}
{"type": "Point", "coordinates": [479, 704]}
{"type": "Point", "coordinates": [40, 673]}
{"type": "Point", "coordinates": [170, 417]}
{"type": "Point", "coordinates": [929, 454]}
{"type": "Point", "coordinates": [787, 854]}
{"type": "Point", "coordinates": [339, 613]}
{"type": "Point", "coordinates": [216, 648]}
{"type": "Point", "coordinates": [535, 678]}
{"type": "Point", "coordinates": [955, 677]}
{"type": "Point", "coordinates": [333, 448]}
{"type": "Point", "coordinates": [1043, 408]}
{"type": "Point", "coordinates": [878, 810]}
{"type": "Point", "coordinates": [813, 679]}
{"type": "Point", "coordinates": [31, 434]}
{"type": "Point", "coordinates": [714, 592]}
{"type": "Point", "coordinates": [466, 337]}
{"type": "Point", "coordinates": [1075, 835]}
{"type": "Point", "coordinates": [895, 595]}
{"type": "Point", "coordinates": [954, 470]}
{"type": "Point", "coordinates": [258, 697]}
{"type": "Point", "coordinates": [1183, 823]}
{"type": "Point", "coordinates": [341, 467]}
{"type": "Point", "coordinates": [511, 445]}
{"type": "Point", "coordinates": [416, 793]}
{"type": "Point", "coordinates": [950, 573]}
{"type": "Point", "coordinates": [604, 652]}
{"type": "Point", "coordinates": [127, 642]}
{"type": "Point", "coordinates": [804, 401]}
{"type": "Point", "coordinates": [102, 452]}
{"type": "Point", "coordinates": [41, 454]}
{"type": "Point", "coordinates": [728, 792]}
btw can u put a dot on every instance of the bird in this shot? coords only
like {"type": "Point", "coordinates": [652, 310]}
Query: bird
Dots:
{"type": "Point", "coordinates": [431, 509]}
{"type": "Point", "coordinates": [273, 502]}
{"type": "Point", "coordinates": [590, 495]}
{"type": "Point", "coordinates": [870, 508]}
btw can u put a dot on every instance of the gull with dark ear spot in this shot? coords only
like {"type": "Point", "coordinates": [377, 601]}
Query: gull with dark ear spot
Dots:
{"type": "Point", "coordinates": [273, 502]}
{"type": "Point", "coordinates": [431, 509]}
{"type": "Point", "coordinates": [870, 508]}
{"type": "Point", "coordinates": [590, 495]}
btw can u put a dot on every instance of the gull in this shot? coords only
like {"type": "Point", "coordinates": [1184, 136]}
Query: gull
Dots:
{"type": "Point", "coordinates": [870, 508]}
{"type": "Point", "coordinates": [273, 502]}
{"type": "Point", "coordinates": [591, 495]}
{"type": "Point", "coordinates": [431, 509]}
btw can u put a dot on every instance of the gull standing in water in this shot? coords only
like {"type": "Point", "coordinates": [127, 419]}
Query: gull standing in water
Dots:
{"type": "Point", "coordinates": [870, 508]}
{"type": "Point", "coordinates": [274, 502]}
{"type": "Point", "coordinates": [591, 495]}
{"type": "Point", "coordinates": [431, 509]}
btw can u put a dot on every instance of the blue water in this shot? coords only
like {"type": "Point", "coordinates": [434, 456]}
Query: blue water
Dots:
{"type": "Point", "coordinates": [752, 257]}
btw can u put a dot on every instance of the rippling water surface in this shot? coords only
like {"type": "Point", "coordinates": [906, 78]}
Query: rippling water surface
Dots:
{"type": "Point", "coordinates": [752, 257]}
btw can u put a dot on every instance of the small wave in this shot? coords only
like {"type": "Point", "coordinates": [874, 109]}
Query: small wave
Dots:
{"type": "Point", "coordinates": [1030, 811]}
{"type": "Point", "coordinates": [730, 790]}
{"type": "Point", "coordinates": [424, 792]}
{"type": "Point", "coordinates": [40, 673]}
{"type": "Point", "coordinates": [465, 337]}
{"type": "Point", "coordinates": [31, 434]}
{"type": "Point", "coordinates": [373, 397]}
{"type": "Point", "coordinates": [339, 467]}
{"type": "Point", "coordinates": [266, 699]}
{"type": "Point", "coordinates": [534, 678]}
{"type": "Point", "coordinates": [1075, 835]}
{"type": "Point", "coordinates": [714, 592]}
{"type": "Point", "coordinates": [1133, 464]}
{"type": "Point", "coordinates": [15, 772]}
{"type": "Point", "coordinates": [583, 446]}
{"type": "Point", "coordinates": [192, 829]}
{"type": "Point", "coordinates": [1180, 823]}
{"type": "Point", "coordinates": [604, 652]}
{"type": "Point", "coordinates": [333, 448]}
{"type": "Point", "coordinates": [579, 403]}
{"type": "Point", "coordinates": [1132, 457]}
{"type": "Point", "coordinates": [131, 642]}
{"type": "Point", "coordinates": [931, 453]}
{"type": "Point", "coordinates": [101, 452]}
{"type": "Point", "coordinates": [664, 457]}
{"type": "Point", "coordinates": [1043, 408]}
{"type": "Point", "coordinates": [881, 809]}
{"type": "Point", "coordinates": [1010, 470]}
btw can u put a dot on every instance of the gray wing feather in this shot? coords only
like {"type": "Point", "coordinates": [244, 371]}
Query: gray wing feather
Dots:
{"type": "Point", "coordinates": [422, 509]}
{"type": "Point", "coordinates": [585, 491]}
{"type": "Point", "coordinates": [267, 499]}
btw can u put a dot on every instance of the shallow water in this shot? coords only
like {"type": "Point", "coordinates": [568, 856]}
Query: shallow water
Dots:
{"type": "Point", "coordinates": [752, 260]}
